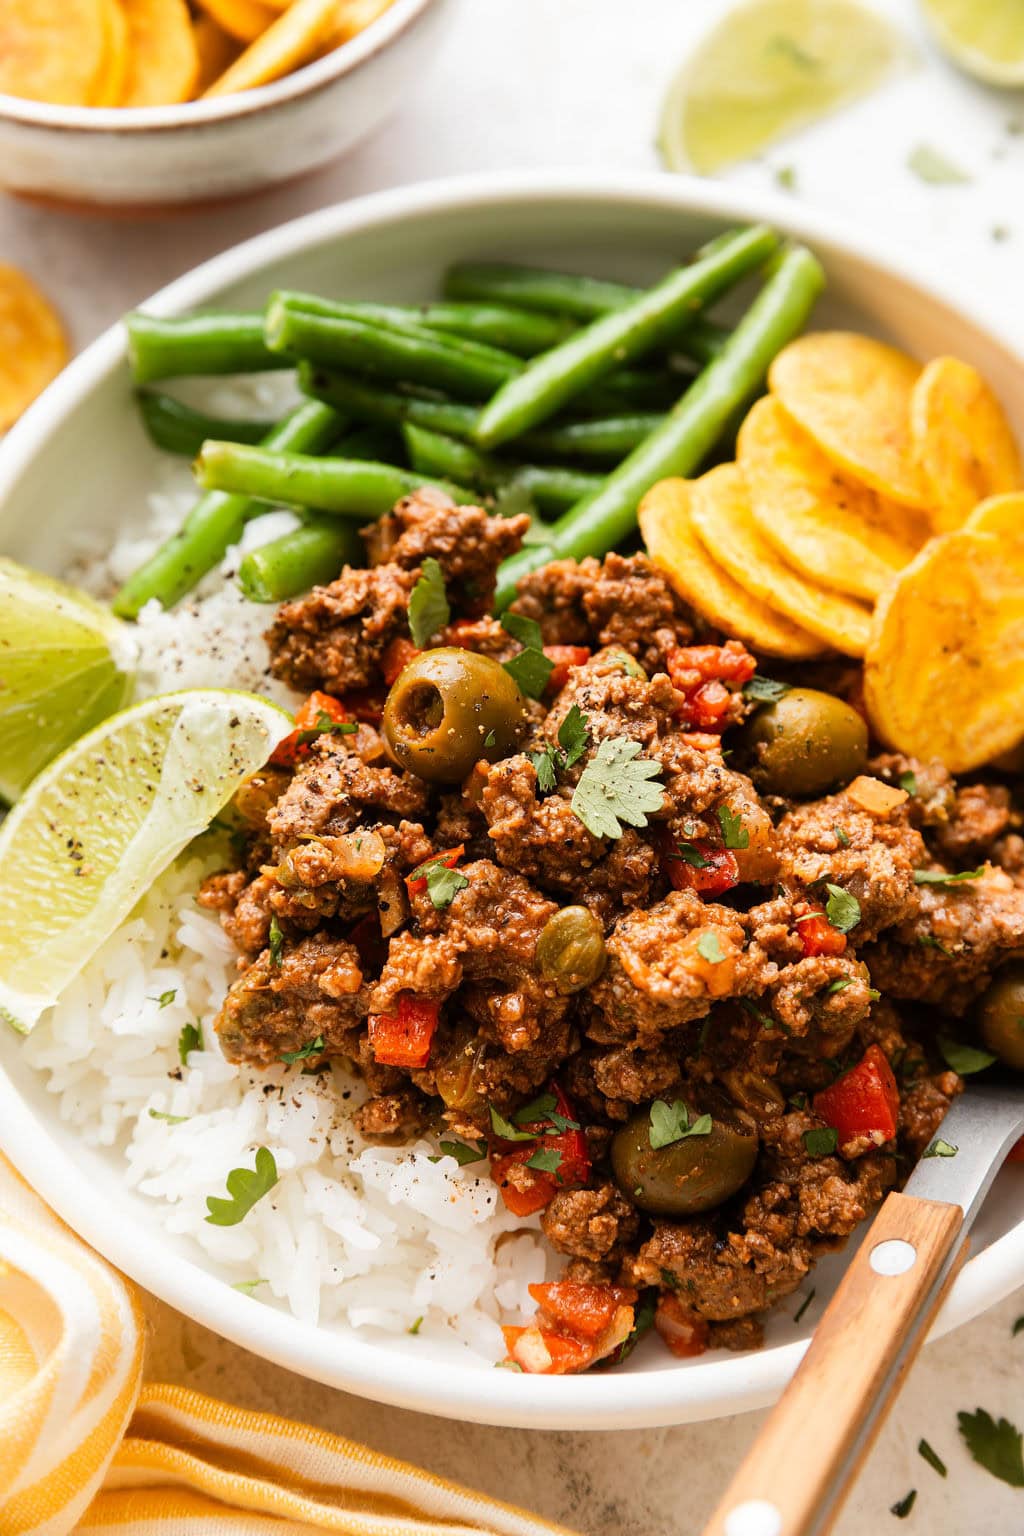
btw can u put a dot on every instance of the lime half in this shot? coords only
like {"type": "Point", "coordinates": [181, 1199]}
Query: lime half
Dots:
{"type": "Point", "coordinates": [65, 664]}
{"type": "Point", "coordinates": [98, 826]}
{"type": "Point", "coordinates": [768, 68]}
{"type": "Point", "coordinates": [984, 37]}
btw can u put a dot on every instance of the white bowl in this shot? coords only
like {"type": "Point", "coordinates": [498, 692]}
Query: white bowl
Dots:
{"type": "Point", "coordinates": [79, 458]}
{"type": "Point", "coordinates": [155, 157]}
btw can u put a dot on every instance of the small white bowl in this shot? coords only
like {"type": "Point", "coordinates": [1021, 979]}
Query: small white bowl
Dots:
{"type": "Point", "coordinates": [199, 151]}
{"type": "Point", "coordinates": [80, 460]}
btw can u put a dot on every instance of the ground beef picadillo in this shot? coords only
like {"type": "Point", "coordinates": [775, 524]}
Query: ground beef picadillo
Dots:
{"type": "Point", "coordinates": [725, 990]}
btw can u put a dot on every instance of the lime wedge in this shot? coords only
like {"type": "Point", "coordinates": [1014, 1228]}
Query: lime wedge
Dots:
{"type": "Point", "coordinates": [984, 37]}
{"type": "Point", "coordinates": [768, 68]}
{"type": "Point", "coordinates": [65, 664]}
{"type": "Point", "coordinates": [97, 827]}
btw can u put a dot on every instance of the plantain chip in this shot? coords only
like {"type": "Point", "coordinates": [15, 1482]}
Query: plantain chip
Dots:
{"type": "Point", "coordinates": [291, 40]}
{"type": "Point", "coordinates": [54, 50]}
{"type": "Point", "coordinates": [162, 59]}
{"type": "Point", "coordinates": [852, 394]}
{"type": "Point", "coordinates": [33, 348]}
{"type": "Point", "coordinates": [832, 529]}
{"type": "Point", "coordinates": [944, 672]}
{"type": "Point", "coordinates": [1000, 514]}
{"type": "Point", "coordinates": [664, 517]}
{"type": "Point", "coordinates": [721, 514]}
{"type": "Point", "coordinates": [354, 16]}
{"type": "Point", "coordinates": [962, 440]}
{"type": "Point", "coordinates": [244, 20]}
{"type": "Point", "coordinates": [109, 86]}
{"type": "Point", "coordinates": [215, 50]}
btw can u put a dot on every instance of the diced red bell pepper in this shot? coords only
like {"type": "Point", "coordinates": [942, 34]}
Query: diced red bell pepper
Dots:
{"type": "Point", "coordinates": [700, 673]}
{"type": "Point", "coordinates": [366, 704]}
{"type": "Point", "coordinates": [683, 1331]}
{"type": "Point", "coordinates": [863, 1102]}
{"type": "Point", "coordinates": [403, 1038]}
{"type": "Point", "coordinates": [579, 1308]}
{"type": "Point", "coordinates": [397, 657]}
{"type": "Point", "coordinates": [307, 718]}
{"type": "Point", "coordinates": [449, 859]}
{"type": "Point", "coordinates": [818, 936]}
{"type": "Point", "coordinates": [564, 657]}
{"type": "Point", "coordinates": [718, 873]}
{"type": "Point", "coordinates": [533, 1190]}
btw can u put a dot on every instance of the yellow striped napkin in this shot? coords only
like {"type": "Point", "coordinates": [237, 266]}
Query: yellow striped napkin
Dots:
{"type": "Point", "coordinates": [85, 1447]}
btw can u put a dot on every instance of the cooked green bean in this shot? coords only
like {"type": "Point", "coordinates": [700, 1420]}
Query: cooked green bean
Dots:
{"type": "Point", "coordinates": [545, 385]}
{"type": "Point", "coordinates": [217, 519]}
{"type": "Point", "coordinates": [306, 557]}
{"type": "Point", "coordinates": [351, 487]}
{"type": "Point", "coordinates": [690, 431]}
{"type": "Point", "coordinates": [601, 440]}
{"type": "Point", "coordinates": [161, 348]}
{"type": "Point", "coordinates": [178, 428]}
{"type": "Point", "coordinates": [414, 356]}
{"type": "Point", "coordinates": [494, 325]}
{"type": "Point", "coordinates": [551, 488]}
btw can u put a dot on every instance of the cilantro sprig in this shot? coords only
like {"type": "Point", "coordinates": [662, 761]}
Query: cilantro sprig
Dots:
{"type": "Point", "coordinates": [573, 740]}
{"type": "Point", "coordinates": [734, 833]}
{"type": "Point", "coordinates": [842, 908]}
{"type": "Point", "coordinates": [443, 882]}
{"type": "Point", "coordinates": [674, 1122]}
{"type": "Point", "coordinates": [245, 1187]}
{"type": "Point", "coordinates": [530, 670]}
{"type": "Point", "coordinates": [311, 1048]}
{"type": "Point", "coordinates": [325, 725]}
{"type": "Point", "coordinates": [964, 1059]}
{"type": "Point", "coordinates": [821, 1141]}
{"type": "Point", "coordinates": [943, 877]}
{"type": "Point", "coordinates": [190, 1039]}
{"type": "Point", "coordinates": [429, 609]}
{"type": "Point", "coordinates": [615, 787]}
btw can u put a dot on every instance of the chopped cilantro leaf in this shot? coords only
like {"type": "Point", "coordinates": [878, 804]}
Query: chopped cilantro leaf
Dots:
{"type": "Point", "coordinates": [463, 1152]}
{"type": "Point", "coordinates": [311, 1048]}
{"type": "Point", "coordinates": [709, 948]}
{"type": "Point", "coordinates": [692, 856]}
{"type": "Point", "coordinates": [159, 1114]}
{"type": "Point", "coordinates": [429, 609]}
{"type": "Point", "coordinates": [529, 670]}
{"type": "Point", "coordinates": [670, 1123]}
{"type": "Point", "coordinates": [842, 908]}
{"type": "Point", "coordinates": [821, 1141]}
{"type": "Point", "coordinates": [933, 1459]}
{"type": "Point", "coordinates": [543, 1111]}
{"type": "Point", "coordinates": [443, 884]}
{"type": "Point", "coordinates": [765, 689]}
{"type": "Point", "coordinates": [840, 984]}
{"type": "Point", "coordinates": [627, 664]}
{"type": "Point", "coordinates": [942, 877]}
{"type": "Point", "coordinates": [545, 1160]}
{"type": "Point", "coordinates": [245, 1186]}
{"type": "Point", "coordinates": [325, 725]}
{"type": "Point", "coordinates": [964, 1059]}
{"type": "Point", "coordinates": [526, 631]}
{"type": "Point", "coordinates": [247, 1286]}
{"type": "Point", "coordinates": [842, 837]}
{"type": "Point", "coordinates": [165, 999]}
{"type": "Point", "coordinates": [929, 941]}
{"type": "Point", "coordinates": [940, 1148]}
{"type": "Point", "coordinates": [506, 1130]}
{"type": "Point", "coordinates": [901, 1509]}
{"type": "Point", "coordinates": [994, 1446]}
{"type": "Point", "coordinates": [1018, 1326]}
{"type": "Point", "coordinates": [190, 1039]}
{"type": "Point", "coordinates": [734, 833]}
{"type": "Point", "coordinates": [574, 735]}
{"type": "Point", "coordinates": [415, 1327]}
{"type": "Point", "coordinates": [544, 765]}
{"type": "Point", "coordinates": [276, 941]}
{"type": "Point", "coordinates": [490, 739]}
{"type": "Point", "coordinates": [614, 787]}
{"type": "Point", "coordinates": [785, 176]}
{"type": "Point", "coordinates": [908, 781]}
{"type": "Point", "coordinates": [931, 165]}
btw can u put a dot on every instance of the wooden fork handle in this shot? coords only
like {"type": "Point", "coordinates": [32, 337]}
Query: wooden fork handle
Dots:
{"type": "Point", "coordinates": [798, 1471]}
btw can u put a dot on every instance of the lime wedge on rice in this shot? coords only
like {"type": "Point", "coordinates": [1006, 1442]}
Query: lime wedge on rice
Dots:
{"type": "Point", "coordinates": [769, 68]}
{"type": "Point", "coordinates": [984, 37]}
{"type": "Point", "coordinates": [97, 827]}
{"type": "Point", "coordinates": [65, 664]}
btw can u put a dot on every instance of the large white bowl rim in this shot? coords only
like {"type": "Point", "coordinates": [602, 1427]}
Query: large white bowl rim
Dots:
{"type": "Point", "coordinates": [622, 1399]}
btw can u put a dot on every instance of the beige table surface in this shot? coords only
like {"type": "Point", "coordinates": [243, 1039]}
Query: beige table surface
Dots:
{"type": "Point", "coordinates": [544, 82]}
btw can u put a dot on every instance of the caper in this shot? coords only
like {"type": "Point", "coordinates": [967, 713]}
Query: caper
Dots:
{"type": "Point", "coordinates": [1000, 1016]}
{"type": "Point", "coordinates": [688, 1176]}
{"type": "Point", "coordinates": [447, 709]}
{"type": "Point", "coordinates": [805, 743]}
{"type": "Point", "coordinates": [570, 950]}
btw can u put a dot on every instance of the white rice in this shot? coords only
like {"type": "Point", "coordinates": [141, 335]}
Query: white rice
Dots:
{"type": "Point", "coordinates": [384, 1239]}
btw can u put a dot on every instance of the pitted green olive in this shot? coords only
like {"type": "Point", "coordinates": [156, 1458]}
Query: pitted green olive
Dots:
{"type": "Point", "coordinates": [805, 743]}
{"type": "Point", "coordinates": [447, 709]}
{"type": "Point", "coordinates": [570, 950]}
{"type": "Point", "coordinates": [1000, 1015]}
{"type": "Point", "coordinates": [688, 1176]}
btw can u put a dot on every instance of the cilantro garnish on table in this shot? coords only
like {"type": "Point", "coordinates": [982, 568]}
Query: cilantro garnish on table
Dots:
{"type": "Point", "coordinates": [994, 1444]}
{"type": "Point", "coordinates": [616, 787]}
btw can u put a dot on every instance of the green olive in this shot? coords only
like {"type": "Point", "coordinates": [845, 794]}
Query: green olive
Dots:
{"type": "Point", "coordinates": [752, 1091]}
{"type": "Point", "coordinates": [1000, 1015]}
{"type": "Point", "coordinates": [447, 709]}
{"type": "Point", "coordinates": [457, 1069]}
{"type": "Point", "coordinates": [805, 743]}
{"type": "Point", "coordinates": [570, 950]}
{"type": "Point", "coordinates": [688, 1176]}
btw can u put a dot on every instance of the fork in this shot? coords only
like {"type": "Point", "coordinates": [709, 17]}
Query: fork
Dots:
{"type": "Point", "coordinates": [796, 1476]}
